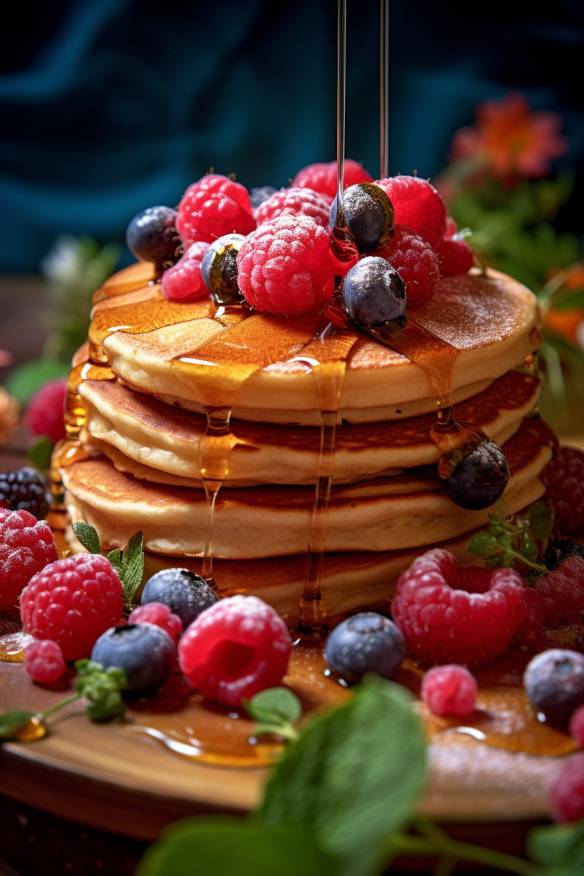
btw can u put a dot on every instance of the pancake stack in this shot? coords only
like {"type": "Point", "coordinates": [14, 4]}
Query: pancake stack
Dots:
{"type": "Point", "coordinates": [285, 456]}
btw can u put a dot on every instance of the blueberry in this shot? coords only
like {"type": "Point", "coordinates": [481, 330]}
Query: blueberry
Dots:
{"type": "Point", "coordinates": [561, 550]}
{"type": "Point", "coordinates": [366, 642]}
{"type": "Point", "coordinates": [261, 194]}
{"type": "Point", "coordinates": [185, 593]}
{"type": "Point", "coordinates": [368, 213]}
{"type": "Point", "coordinates": [152, 236]}
{"type": "Point", "coordinates": [145, 653]}
{"type": "Point", "coordinates": [219, 269]}
{"type": "Point", "coordinates": [373, 293]}
{"type": "Point", "coordinates": [554, 683]}
{"type": "Point", "coordinates": [479, 478]}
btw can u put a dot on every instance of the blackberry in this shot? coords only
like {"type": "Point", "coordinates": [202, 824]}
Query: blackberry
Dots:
{"type": "Point", "coordinates": [25, 490]}
{"type": "Point", "coordinates": [560, 550]}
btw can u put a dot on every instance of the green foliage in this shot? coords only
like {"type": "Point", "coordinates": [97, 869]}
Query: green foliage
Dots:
{"type": "Point", "coordinates": [276, 710]}
{"type": "Point", "coordinates": [558, 849]}
{"type": "Point", "coordinates": [11, 723]}
{"type": "Point", "coordinates": [129, 563]}
{"type": "Point", "coordinates": [24, 381]}
{"type": "Point", "coordinates": [515, 542]}
{"type": "Point", "coordinates": [102, 688]}
{"type": "Point", "coordinates": [39, 453]}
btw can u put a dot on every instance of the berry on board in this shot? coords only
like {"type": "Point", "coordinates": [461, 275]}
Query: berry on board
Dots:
{"type": "Point", "coordinates": [373, 293]}
{"type": "Point", "coordinates": [564, 481]}
{"type": "Point", "coordinates": [291, 202]}
{"type": "Point", "coordinates": [562, 591]}
{"type": "Point", "coordinates": [577, 726]}
{"type": "Point", "coordinates": [213, 206]}
{"type": "Point", "coordinates": [368, 214]}
{"type": "Point", "coordinates": [417, 206]}
{"type": "Point", "coordinates": [25, 490]}
{"type": "Point", "coordinates": [554, 683]}
{"type": "Point", "coordinates": [161, 616]}
{"type": "Point", "coordinates": [322, 176]}
{"type": "Point", "coordinates": [219, 269]}
{"type": "Point", "coordinates": [183, 281]}
{"type": "Point", "coordinates": [44, 662]}
{"type": "Point", "coordinates": [479, 479]}
{"type": "Point", "coordinates": [365, 642]}
{"type": "Point", "coordinates": [566, 792]}
{"type": "Point", "coordinates": [185, 593]}
{"type": "Point", "coordinates": [152, 236]}
{"type": "Point", "coordinates": [26, 547]}
{"type": "Point", "coordinates": [450, 691]}
{"type": "Point", "coordinates": [416, 263]}
{"type": "Point", "coordinates": [45, 411]}
{"type": "Point", "coordinates": [145, 653]}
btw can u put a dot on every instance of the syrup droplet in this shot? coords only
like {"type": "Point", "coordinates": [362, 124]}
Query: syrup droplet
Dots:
{"type": "Point", "coordinates": [33, 730]}
{"type": "Point", "coordinates": [13, 646]}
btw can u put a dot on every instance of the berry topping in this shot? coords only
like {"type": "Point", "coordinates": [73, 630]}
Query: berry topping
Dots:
{"type": "Point", "coordinates": [219, 269]}
{"type": "Point", "coordinates": [554, 683]}
{"type": "Point", "coordinates": [322, 176]}
{"type": "Point", "coordinates": [373, 293]}
{"type": "Point", "coordinates": [417, 205]}
{"type": "Point", "coordinates": [72, 602]}
{"type": "Point", "coordinates": [285, 266]}
{"type": "Point", "coordinates": [479, 478]}
{"type": "Point", "coordinates": [26, 547]}
{"type": "Point", "coordinates": [144, 652]}
{"type": "Point", "coordinates": [532, 633]}
{"type": "Point", "coordinates": [366, 642]}
{"type": "Point", "coordinates": [368, 213]}
{"type": "Point", "coordinates": [25, 490]}
{"type": "Point", "coordinates": [291, 202]}
{"type": "Point", "coordinates": [566, 794]}
{"type": "Point", "coordinates": [453, 614]}
{"type": "Point", "coordinates": [562, 592]}
{"type": "Point", "coordinates": [212, 207]}
{"type": "Point", "coordinates": [152, 236]}
{"type": "Point", "coordinates": [44, 662]}
{"type": "Point", "coordinates": [560, 549]}
{"type": "Point", "coordinates": [577, 726]}
{"type": "Point", "coordinates": [44, 415]}
{"type": "Point", "coordinates": [450, 691]}
{"type": "Point", "coordinates": [416, 262]}
{"type": "Point", "coordinates": [235, 649]}
{"type": "Point", "coordinates": [564, 479]}
{"type": "Point", "coordinates": [260, 194]}
{"type": "Point", "coordinates": [454, 256]}
{"type": "Point", "coordinates": [183, 281]}
{"type": "Point", "coordinates": [161, 616]}
{"type": "Point", "coordinates": [185, 593]}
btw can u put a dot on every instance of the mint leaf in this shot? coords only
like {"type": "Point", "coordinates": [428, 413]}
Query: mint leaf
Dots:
{"type": "Point", "coordinates": [482, 545]}
{"type": "Point", "coordinates": [231, 846]}
{"type": "Point", "coordinates": [559, 848]}
{"type": "Point", "coordinates": [278, 704]}
{"type": "Point", "coordinates": [115, 558]}
{"type": "Point", "coordinates": [12, 722]}
{"type": "Point", "coordinates": [88, 537]}
{"type": "Point", "coordinates": [132, 569]}
{"type": "Point", "coordinates": [40, 452]}
{"type": "Point", "coordinates": [101, 688]}
{"type": "Point", "coordinates": [353, 776]}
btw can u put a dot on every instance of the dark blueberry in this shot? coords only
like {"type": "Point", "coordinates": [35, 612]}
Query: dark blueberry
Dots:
{"type": "Point", "coordinates": [185, 593]}
{"type": "Point", "coordinates": [25, 490]}
{"type": "Point", "coordinates": [373, 293]}
{"type": "Point", "coordinates": [479, 478]}
{"type": "Point", "coordinates": [144, 652]}
{"type": "Point", "coordinates": [554, 683]}
{"type": "Point", "coordinates": [219, 269]}
{"type": "Point", "coordinates": [261, 194]}
{"type": "Point", "coordinates": [368, 214]}
{"type": "Point", "coordinates": [561, 550]}
{"type": "Point", "coordinates": [366, 642]}
{"type": "Point", "coordinates": [152, 236]}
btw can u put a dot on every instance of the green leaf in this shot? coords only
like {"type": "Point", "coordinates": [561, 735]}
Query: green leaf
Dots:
{"type": "Point", "coordinates": [132, 571]}
{"type": "Point", "coordinates": [353, 776]}
{"type": "Point", "coordinates": [115, 558]}
{"type": "Point", "coordinates": [559, 848]}
{"type": "Point", "coordinates": [101, 688]}
{"type": "Point", "coordinates": [12, 722]}
{"type": "Point", "coordinates": [482, 544]}
{"type": "Point", "coordinates": [230, 846]}
{"type": "Point", "coordinates": [24, 381]}
{"type": "Point", "coordinates": [87, 535]}
{"type": "Point", "coordinates": [273, 706]}
{"type": "Point", "coordinates": [39, 453]}
{"type": "Point", "coordinates": [541, 521]}
{"type": "Point", "coordinates": [572, 300]}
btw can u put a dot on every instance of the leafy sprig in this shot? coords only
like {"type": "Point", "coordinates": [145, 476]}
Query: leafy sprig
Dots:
{"type": "Point", "coordinates": [515, 542]}
{"type": "Point", "coordinates": [276, 710]}
{"type": "Point", "coordinates": [129, 563]}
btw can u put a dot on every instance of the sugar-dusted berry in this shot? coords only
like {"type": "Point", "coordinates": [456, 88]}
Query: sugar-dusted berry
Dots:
{"type": "Point", "coordinates": [322, 176]}
{"type": "Point", "coordinates": [564, 480]}
{"type": "Point", "coordinates": [213, 206]}
{"type": "Point", "coordinates": [562, 591]}
{"type": "Point", "coordinates": [183, 281]}
{"type": "Point", "coordinates": [44, 661]}
{"type": "Point", "coordinates": [291, 202]}
{"type": "Point", "coordinates": [26, 547]}
{"type": "Point", "coordinates": [145, 653]}
{"type": "Point", "coordinates": [161, 616]}
{"type": "Point", "coordinates": [450, 690]}
{"type": "Point", "coordinates": [417, 205]}
{"type": "Point", "coordinates": [416, 263]}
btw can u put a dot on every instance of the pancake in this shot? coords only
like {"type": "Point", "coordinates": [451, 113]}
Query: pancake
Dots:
{"type": "Point", "coordinates": [146, 438]}
{"type": "Point", "coordinates": [265, 364]}
{"type": "Point", "coordinates": [378, 515]}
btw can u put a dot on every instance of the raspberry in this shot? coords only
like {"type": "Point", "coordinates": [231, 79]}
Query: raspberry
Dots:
{"type": "Point", "coordinates": [291, 202]}
{"type": "Point", "coordinates": [45, 412]}
{"type": "Point", "coordinates": [417, 205]}
{"type": "Point", "coordinates": [212, 207]}
{"type": "Point", "coordinates": [562, 592]}
{"type": "Point", "coordinates": [566, 792]}
{"type": "Point", "coordinates": [452, 614]}
{"type": "Point", "coordinates": [416, 263]}
{"type": "Point", "coordinates": [577, 726]}
{"type": "Point", "coordinates": [44, 661]}
{"type": "Point", "coordinates": [322, 176]}
{"type": "Point", "coordinates": [234, 649]}
{"type": "Point", "coordinates": [25, 490]}
{"type": "Point", "coordinates": [72, 602]}
{"type": "Point", "coordinates": [161, 616]}
{"type": "Point", "coordinates": [285, 266]}
{"type": "Point", "coordinates": [26, 547]}
{"type": "Point", "coordinates": [532, 631]}
{"type": "Point", "coordinates": [183, 281]}
{"type": "Point", "coordinates": [454, 256]}
{"type": "Point", "coordinates": [564, 480]}
{"type": "Point", "coordinates": [449, 691]}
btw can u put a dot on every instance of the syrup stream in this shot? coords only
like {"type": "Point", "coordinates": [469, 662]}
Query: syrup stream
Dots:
{"type": "Point", "coordinates": [383, 89]}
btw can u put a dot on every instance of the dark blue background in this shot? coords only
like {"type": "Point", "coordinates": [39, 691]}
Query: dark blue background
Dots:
{"type": "Point", "coordinates": [108, 106]}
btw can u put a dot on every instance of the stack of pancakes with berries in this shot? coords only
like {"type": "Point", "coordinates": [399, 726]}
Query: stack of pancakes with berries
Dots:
{"type": "Point", "coordinates": [259, 411]}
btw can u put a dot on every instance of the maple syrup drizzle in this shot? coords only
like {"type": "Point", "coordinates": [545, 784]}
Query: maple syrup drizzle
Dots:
{"type": "Point", "coordinates": [13, 645]}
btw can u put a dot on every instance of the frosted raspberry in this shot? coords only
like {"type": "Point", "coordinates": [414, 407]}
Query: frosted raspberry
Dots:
{"type": "Point", "coordinates": [449, 690]}
{"type": "Point", "coordinates": [417, 264]}
{"type": "Point", "coordinates": [285, 266]}
{"type": "Point", "coordinates": [45, 412]}
{"type": "Point", "coordinates": [322, 176]}
{"type": "Point", "coordinates": [291, 202]}
{"type": "Point", "coordinates": [564, 479]}
{"type": "Point", "coordinates": [72, 602]}
{"type": "Point", "coordinates": [577, 726]}
{"type": "Point", "coordinates": [26, 547]}
{"type": "Point", "coordinates": [532, 632]}
{"type": "Point", "coordinates": [454, 256]}
{"type": "Point", "coordinates": [183, 282]}
{"type": "Point", "coordinates": [417, 205]}
{"type": "Point", "coordinates": [562, 592]}
{"type": "Point", "coordinates": [161, 616]}
{"type": "Point", "coordinates": [566, 793]}
{"type": "Point", "coordinates": [234, 649]}
{"type": "Point", "coordinates": [453, 614]}
{"type": "Point", "coordinates": [44, 662]}
{"type": "Point", "coordinates": [212, 207]}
